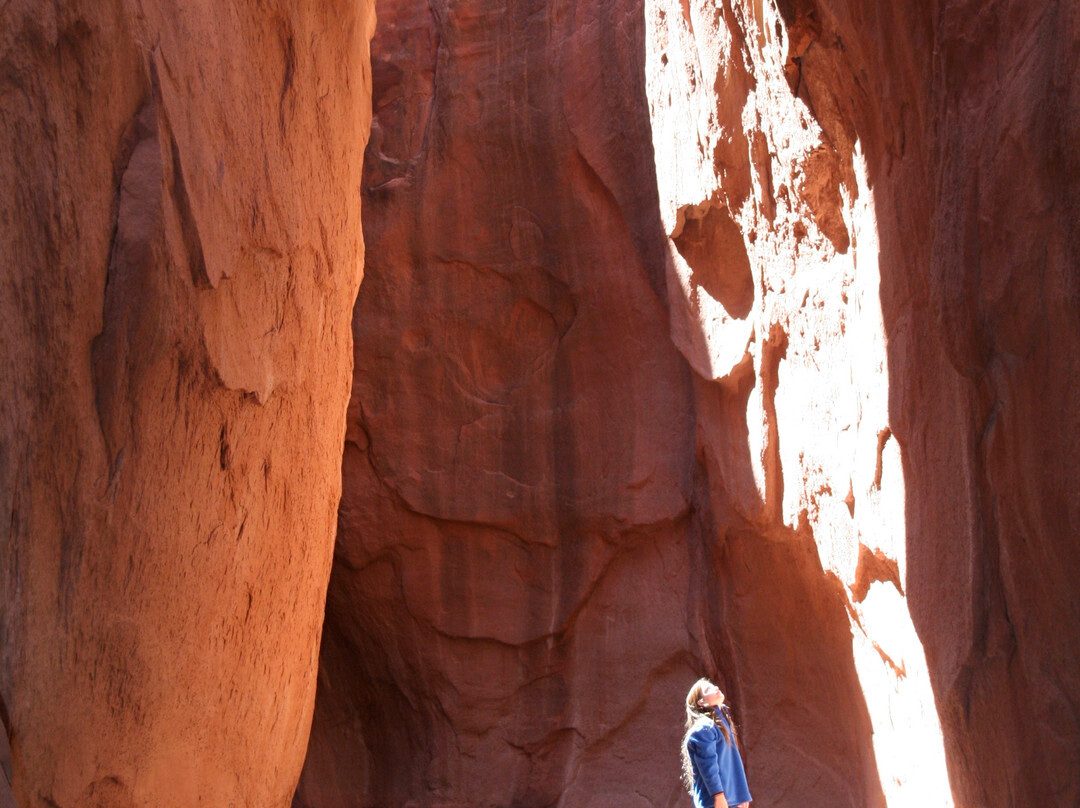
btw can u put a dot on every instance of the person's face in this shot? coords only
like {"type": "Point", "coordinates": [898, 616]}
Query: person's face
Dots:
{"type": "Point", "coordinates": [712, 696]}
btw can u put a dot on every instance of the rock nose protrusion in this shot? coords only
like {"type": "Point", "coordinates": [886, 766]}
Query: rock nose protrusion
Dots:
{"type": "Point", "coordinates": [712, 245]}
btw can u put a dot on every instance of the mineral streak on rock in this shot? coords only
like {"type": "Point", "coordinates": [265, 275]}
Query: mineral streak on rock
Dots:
{"type": "Point", "coordinates": [181, 255]}
{"type": "Point", "coordinates": [507, 614]}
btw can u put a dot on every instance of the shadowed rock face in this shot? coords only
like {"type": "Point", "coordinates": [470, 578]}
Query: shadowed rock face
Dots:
{"type": "Point", "coordinates": [736, 340]}
{"type": "Point", "coordinates": [983, 327]}
{"type": "Point", "coordinates": [508, 609]}
{"type": "Point", "coordinates": [181, 255]}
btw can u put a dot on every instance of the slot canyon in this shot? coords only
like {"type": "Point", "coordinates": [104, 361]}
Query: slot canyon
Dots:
{"type": "Point", "coordinates": [404, 403]}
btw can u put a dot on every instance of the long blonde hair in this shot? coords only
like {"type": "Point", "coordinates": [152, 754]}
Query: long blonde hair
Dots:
{"type": "Point", "coordinates": [696, 714]}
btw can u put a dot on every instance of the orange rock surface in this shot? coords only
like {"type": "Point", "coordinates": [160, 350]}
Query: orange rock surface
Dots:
{"type": "Point", "coordinates": [729, 338]}
{"type": "Point", "coordinates": [181, 255]}
{"type": "Point", "coordinates": [733, 338]}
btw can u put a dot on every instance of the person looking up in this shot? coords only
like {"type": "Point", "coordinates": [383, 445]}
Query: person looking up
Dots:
{"type": "Point", "coordinates": [712, 768]}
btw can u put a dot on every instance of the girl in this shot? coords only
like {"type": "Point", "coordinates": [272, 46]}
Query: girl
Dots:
{"type": "Point", "coordinates": [712, 766]}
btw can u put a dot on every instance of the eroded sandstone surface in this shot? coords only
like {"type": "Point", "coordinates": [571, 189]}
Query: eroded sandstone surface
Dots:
{"type": "Point", "coordinates": [181, 253]}
{"type": "Point", "coordinates": [733, 338]}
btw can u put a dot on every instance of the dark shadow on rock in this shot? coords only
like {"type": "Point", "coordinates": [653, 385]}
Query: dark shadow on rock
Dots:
{"type": "Point", "coordinates": [712, 245]}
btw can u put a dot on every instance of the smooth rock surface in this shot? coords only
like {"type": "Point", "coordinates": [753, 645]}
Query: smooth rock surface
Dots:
{"type": "Point", "coordinates": [181, 253]}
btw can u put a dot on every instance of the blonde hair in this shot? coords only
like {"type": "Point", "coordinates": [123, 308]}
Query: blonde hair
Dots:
{"type": "Point", "coordinates": [696, 714]}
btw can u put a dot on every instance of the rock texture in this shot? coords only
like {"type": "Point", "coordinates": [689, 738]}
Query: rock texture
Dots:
{"type": "Point", "coordinates": [507, 615]}
{"type": "Point", "coordinates": [983, 326]}
{"type": "Point", "coordinates": [181, 255]}
{"type": "Point", "coordinates": [732, 338]}
{"type": "Point", "coordinates": [772, 184]}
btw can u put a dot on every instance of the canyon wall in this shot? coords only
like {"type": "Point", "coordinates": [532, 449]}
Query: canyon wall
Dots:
{"type": "Point", "coordinates": [983, 325]}
{"type": "Point", "coordinates": [181, 253]}
{"type": "Point", "coordinates": [734, 339]}
{"type": "Point", "coordinates": [506, 622]}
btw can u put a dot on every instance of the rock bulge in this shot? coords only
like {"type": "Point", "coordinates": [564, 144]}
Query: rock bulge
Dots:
{"type": "Point", "coordinates": [181, 255]}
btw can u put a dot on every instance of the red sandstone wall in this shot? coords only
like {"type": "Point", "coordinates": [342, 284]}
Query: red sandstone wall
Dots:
{"type": "Point", "coordinates": [982, 318]}
{"type": "Point", "coordinates": [181, 252]}
{"type": "Point", "coordinates": [537, 546]}
{"type": "Point", "coordinates": [729, 340]}
{"type": "Point", "coordinates": [506, 620]}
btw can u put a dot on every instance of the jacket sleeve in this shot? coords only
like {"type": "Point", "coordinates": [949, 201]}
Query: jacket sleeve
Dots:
{"type": "Point", "coordinates": [702, 747]}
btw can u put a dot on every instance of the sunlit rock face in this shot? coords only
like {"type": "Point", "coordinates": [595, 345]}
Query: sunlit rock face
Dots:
{"type": "Point", "coordinates": [730, 339]}
{"type": "Point", "coordinates": [774, 285]}
{"type": "Point", "coordinates": [901, 175]}
{"type": "Point", "coordinates": [181, 255]}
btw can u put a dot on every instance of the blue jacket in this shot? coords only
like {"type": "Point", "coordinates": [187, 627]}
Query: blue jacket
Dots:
{"type": "Point", "coordinates": [718, 766]}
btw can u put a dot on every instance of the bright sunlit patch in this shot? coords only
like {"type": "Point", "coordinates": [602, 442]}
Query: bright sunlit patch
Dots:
{"type": "Point", "coordinates": [889, 657]}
